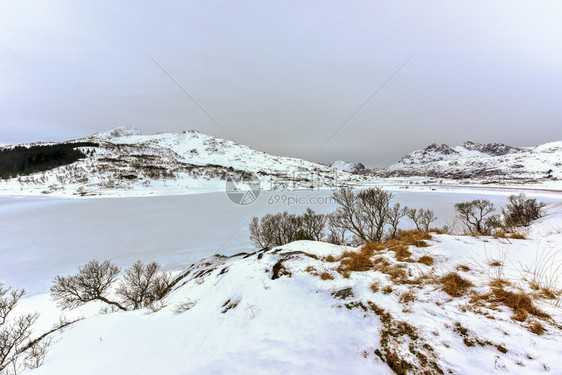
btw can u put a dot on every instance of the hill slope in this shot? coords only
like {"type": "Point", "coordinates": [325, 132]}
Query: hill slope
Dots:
{"type": "Point", "coordinates": [483, 161]}
{"type": "Point", "coordinates": [309, 308]}
{"type": "Point", "coordinates": [125, 162]}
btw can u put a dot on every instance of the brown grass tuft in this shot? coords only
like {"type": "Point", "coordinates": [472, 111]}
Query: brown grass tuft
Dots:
{"type": "Point", "coordinates": [495, 263]}
{"type": "Point", "coordinates": [548, 293]}
{"type": "Point", "coordinates": [407, 297]}
{"type": "Point", "coordinates": [402, 252]}
{"type": "Point", "coordinates": [436, 231]}
{"type": "Point", "coordinates": [410, 237]}
{"type": "Point", "coordinates": [537, 328]}
{"type": "Point", "coordinates": [454, 285]}
{"type": "Point", "coordinates": [499, 283]}
{"type": "Point", "coordinates": [370, 248]}
{"type": "Point", "coordinates": [427, 260]}
{"type": "Point", "coordinates": [375, 287]}
{"type": "Point", "coordinates": [520, 302]}
{"type": "Point", "coordinates": [330, 258]}
{"type": "Point", "coordinates": [311, 270]}
{"type": "Point", "coordinates": [463, 268]}
{"type": "Point", "coordinates": [355, 262]}
{"type": "Point", "coordinates": [518, 236]}
{"type": "Point", "coordinates": [326, 276]}
{"type": "Point", "coordinates": [387, 289]}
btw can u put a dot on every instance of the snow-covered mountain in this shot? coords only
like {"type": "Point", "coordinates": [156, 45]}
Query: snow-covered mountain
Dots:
{"type": "Point", "coordinates": [485, 161]}
{"type": "Point", "coordinates": [347, 166]}
{"type": "Point", "coordinates": [125, 162]}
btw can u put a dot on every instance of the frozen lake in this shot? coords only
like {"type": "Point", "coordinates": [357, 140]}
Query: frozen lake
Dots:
{"type": "Point", "coordinates": [43, 236]}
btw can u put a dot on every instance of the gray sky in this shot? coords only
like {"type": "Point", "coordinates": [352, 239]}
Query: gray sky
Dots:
{"type": "Point", "coordinates": [283, 76]}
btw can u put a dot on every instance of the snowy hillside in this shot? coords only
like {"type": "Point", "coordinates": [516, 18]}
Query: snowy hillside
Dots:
{"type": "Point", "coordinates": [483, 161]}
{"type": "Point", "coordinates": [128, 163]}
{"type": "Point", "coordinates": [421, 304]}
{"type": "Point", "coordinates": [347, 166]}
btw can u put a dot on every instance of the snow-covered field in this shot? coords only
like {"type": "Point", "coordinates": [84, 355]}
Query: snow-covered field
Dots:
{"type": "Point", "coordinates": [44, 236]}
{"type": "Point", "coordinates": [239, 319]}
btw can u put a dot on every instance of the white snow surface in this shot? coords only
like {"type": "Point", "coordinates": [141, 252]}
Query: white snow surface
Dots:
{"type": "Point", "coordinates": [481, 161]}
{"type": "Point", "coordinates": [347, 166]}
{"type": "Point", "coordinates": [231, 315]}
{"type": "Point", "coordinates": [127, 163]}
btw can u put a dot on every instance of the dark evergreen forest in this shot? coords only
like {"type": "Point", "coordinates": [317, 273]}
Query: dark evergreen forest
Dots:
{"type": "Point", "coordinates": [21, 160]}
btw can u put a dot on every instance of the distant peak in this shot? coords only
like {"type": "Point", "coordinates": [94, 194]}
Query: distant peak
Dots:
{"type": "Point", "coordinates": [121, 131]}
{"type": "Point", "coordinates": [442, 149]}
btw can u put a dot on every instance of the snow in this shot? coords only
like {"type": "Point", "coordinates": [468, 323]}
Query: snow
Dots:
{"type": "Point", "coordinates": [240, 318]}
{"type": "Point", "coordinates": [44, 236]}
{"type": "Point", "coordinates": [242, 321]}
{"type": "Point", "coordinates": [466, 160]}
{"type": "Point", "coordinates": [347, 166]}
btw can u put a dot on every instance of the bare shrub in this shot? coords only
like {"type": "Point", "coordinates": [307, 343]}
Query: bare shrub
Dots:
{"type": "Point", "coordinates": [17, 350]}
{"type": "Point", "coordinates": [394, 215]}
{"type": "Point", "coordinates": [91, 283]}
{"type": "Point", "coordinates": [142, 285]}
{"type": "Point", "coordinates": [422, 218]}
{"type": "Point", "coordinates": [473, 214]}
{"type": "Point", "coordinates": [281, 228]}
{"type": "Point", "coordinates": [313, 225]}
{"type": "Point", "coordinates": [522, 211]}
{"type": "Point", "coordinates": [364, 214]}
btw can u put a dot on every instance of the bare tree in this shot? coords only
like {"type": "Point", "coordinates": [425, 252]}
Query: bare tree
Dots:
{"type": "Point", "coordinates": [427, 217]}
{"type": "Point", "coordinates": [522, 211]}
{"type": "Point", "coordinates": [394, 216]}
{"type": "Point", "coordinates": [313, 225]}
{"type": "Point", "coordinates": [473, 214]}
{"type": "Point", "coordinates": [276, 230]}
{"type": "Point", "coordinates": [364, 214]}
{"type": "Point", "coordinates": [143, 285]}
{"type": "Point", "coordinates": [91, 283]}
{"type": "Point", "coordinates": [15, 333]}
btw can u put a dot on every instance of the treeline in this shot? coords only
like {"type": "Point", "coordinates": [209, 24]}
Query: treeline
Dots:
{"type": "Point", "coordinates": [367, 216]}
{"type": "Point", "coordinates": [21, 160]}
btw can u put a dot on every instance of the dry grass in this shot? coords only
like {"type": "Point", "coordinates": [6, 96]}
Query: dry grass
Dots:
{"type": "Point", "coordinates": [351, 261]}
{"type": "Point", "coordinates": [393, 333]}
{"type": "Point", "coordinates": [410, 237]}
{"type": "Point", "coordinates": [375, 287]}
{"type": "Point", "coordinates": [514, 236]}
{"type": "Point", "coordinates": [387, 289]}
{"type": "Point", "coordinates": [463, 268]}
{"type": "Point", "coordinates": [330, 258]}
{"type": "Point", "coordinates": [427, 260]}
{"type": "Point", "coordinates": [495, 263]}
{"type": "Point", "coordinates": [402, 252]}
{"type": "Point", "coordinates": [520, 302]}
{"type": "Point", "coordinates": [454, 285]}
{"type": "Point", "coordinates": [499, 283]}
{"type": "Point", "coordinates": [311, 270]}
{"type": "Point", "coordinates": [537, 328]}
{"type": "Point", "coordinates": [370, 248]}
{"type": "Point", "coordinates": [326, 276]}
{"type": "Point", "coordinates": [407, 297]}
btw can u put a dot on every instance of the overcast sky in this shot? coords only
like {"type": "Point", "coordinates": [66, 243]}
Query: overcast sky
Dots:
{"type": "Point", "coordinates": [283, 76]}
